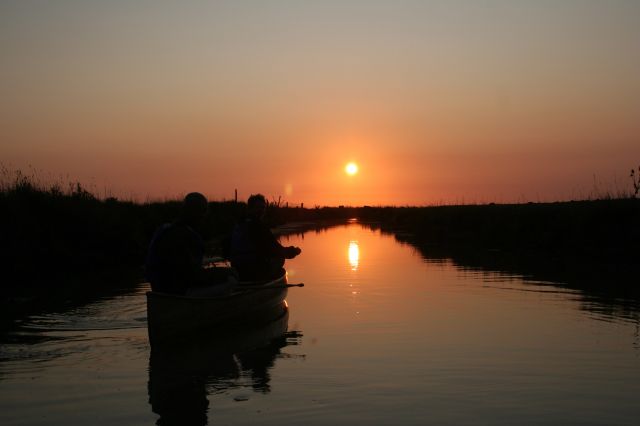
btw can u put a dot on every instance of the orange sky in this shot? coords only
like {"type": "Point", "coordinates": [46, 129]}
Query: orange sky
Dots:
{"type": "Point", "coordinates": [437, 102]}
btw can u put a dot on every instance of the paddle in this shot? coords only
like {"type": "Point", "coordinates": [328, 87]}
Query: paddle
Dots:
{"type": "Point", "coordinates": [250, 287]}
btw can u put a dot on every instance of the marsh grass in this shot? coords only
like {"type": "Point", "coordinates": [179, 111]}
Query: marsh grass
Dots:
{"type": "Point", "coordinates": [57, 233]}
{"type": "Point", "coordinates": [635, 179]}
{"type": "Point", "coordinates": [584, 241]}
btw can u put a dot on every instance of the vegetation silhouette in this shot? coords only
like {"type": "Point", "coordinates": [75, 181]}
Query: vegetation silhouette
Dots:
{"type": "Point", "coordinates": [635, 178]}
{"type": "Point", "coordinates": [54, 238]}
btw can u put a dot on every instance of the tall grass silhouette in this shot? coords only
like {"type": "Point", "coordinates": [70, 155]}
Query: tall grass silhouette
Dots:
{"type": "Point", "coordinates": [635, 178]}
{"type": "Point", "coordinates": [56, 233]}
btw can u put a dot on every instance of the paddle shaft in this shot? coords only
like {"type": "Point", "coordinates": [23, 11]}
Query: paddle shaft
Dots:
{"type": "Point", "coordinates": [249, 287]}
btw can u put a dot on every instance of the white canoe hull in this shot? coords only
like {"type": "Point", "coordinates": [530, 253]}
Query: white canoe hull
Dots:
{"type": "Point", "coordinates": [171, 317]}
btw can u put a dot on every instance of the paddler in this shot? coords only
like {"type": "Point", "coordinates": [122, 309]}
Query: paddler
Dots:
{"type": "Point", "coordinates": [174, 261]}
{"type": "Point", "coordinates": [255, 252]}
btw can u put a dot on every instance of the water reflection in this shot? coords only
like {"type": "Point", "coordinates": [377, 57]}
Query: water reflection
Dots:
{"type": "Point", "coordinates": [603, 293]}
{"type": "Point", "coordinates": [182, 378]}
{"type": "Point", "coordinates": [400, 340]}
{"type": "Point", "coordinates": [354, 255]}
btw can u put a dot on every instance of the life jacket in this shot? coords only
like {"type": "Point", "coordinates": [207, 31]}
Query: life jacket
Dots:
{"type": "Point", "coordinates": [174, 256]}
{"type": "Point", "coordinates": [244, 251]}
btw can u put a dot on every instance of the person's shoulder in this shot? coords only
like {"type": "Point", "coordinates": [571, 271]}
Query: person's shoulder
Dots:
{"type": "Point", "coordinates": [260, 226]}
{"type": "Point", "coordinates": [181, 231]}
{"type": "Point", "coordinates": [252, 223]}
{"type": "Point", "coordinates": [160, 232]}
{"type": "Point", "coordinates": [163, 228]}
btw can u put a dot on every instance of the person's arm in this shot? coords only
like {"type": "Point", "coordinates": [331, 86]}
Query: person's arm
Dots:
{"type": "Point", "coordinates": [291, 252]}
{"type": "Point", "coordinates": [272, 246]}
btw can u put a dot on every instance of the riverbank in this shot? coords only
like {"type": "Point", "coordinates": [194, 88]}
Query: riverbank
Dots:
{"type": "Point", "coordinates": [586, 243]}
{"type": "Point", "coordinates": [52, 237]}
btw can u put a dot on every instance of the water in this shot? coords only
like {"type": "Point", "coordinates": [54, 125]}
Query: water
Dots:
{"type": "Point", "coordinates": [378, 335]}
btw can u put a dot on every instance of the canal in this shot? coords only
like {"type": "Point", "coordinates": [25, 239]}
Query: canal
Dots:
{"type": "Point", "coordinates": [378, 335]}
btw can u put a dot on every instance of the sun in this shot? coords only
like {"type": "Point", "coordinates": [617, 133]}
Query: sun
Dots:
{"type": "Point", "coordinates": [351, 168]}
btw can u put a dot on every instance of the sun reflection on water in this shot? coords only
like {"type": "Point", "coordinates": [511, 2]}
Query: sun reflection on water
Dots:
{"type": "Point", "coordinates": [354, 255]}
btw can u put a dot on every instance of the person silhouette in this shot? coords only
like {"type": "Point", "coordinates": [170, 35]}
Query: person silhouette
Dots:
{"type": "Point", "coordinates": [175, 256]}
{"type": "Point", "coordinates": [255, 252]}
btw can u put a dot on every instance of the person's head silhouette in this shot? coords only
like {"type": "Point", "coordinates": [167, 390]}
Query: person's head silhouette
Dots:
{"type": "Point", "coordinates": [194, 208]}
{"type": "Point", "coordinates": [256, 205]}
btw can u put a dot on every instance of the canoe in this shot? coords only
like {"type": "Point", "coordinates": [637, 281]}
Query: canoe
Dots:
{"type": "Point", "coordinates": [171, 317]}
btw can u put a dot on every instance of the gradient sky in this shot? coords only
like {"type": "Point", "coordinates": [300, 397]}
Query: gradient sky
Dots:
{"type": "Point", "coordinates": [437, 101]}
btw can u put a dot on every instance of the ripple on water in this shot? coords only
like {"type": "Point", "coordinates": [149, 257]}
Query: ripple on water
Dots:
{"type": "Point", "coordinates": [92, 332]}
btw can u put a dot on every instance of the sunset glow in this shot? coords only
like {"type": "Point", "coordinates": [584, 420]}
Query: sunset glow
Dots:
{"type": "Point", "coordinates": [444, 102]}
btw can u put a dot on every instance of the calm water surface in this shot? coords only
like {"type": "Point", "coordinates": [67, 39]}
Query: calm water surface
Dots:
{"type": "Point", "coordinates": [378, 335]}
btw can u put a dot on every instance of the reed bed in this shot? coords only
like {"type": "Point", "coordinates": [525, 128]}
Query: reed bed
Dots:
{"type": "Point", "coordinates": [54, 234]}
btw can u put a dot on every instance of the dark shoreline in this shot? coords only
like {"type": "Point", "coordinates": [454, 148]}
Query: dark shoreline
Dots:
{"type": "Point", "coordinates": [590, 246]}
{"type": "Point", "coordinates": [52, 239]}
{"type": "Point", "coordinates": [62, 250]}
